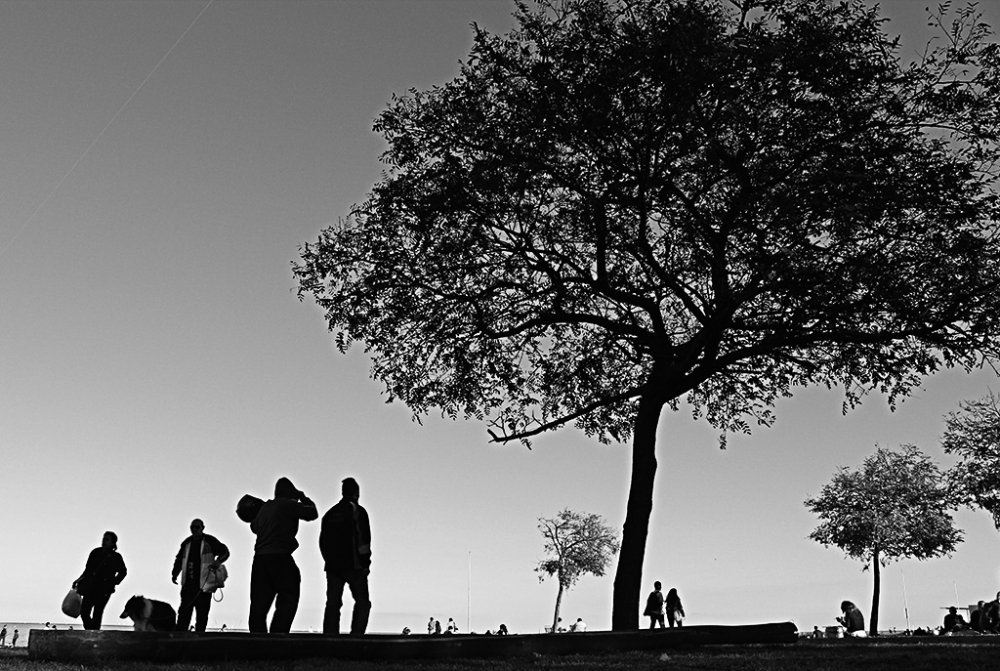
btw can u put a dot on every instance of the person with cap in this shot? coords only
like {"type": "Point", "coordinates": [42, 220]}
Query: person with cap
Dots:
{"type": "Point", "coordinates": [274, 576]}
{"type": "Point", "coordinates": [345, 542]}
{"type": "Point", "coordinates": [196, 563]}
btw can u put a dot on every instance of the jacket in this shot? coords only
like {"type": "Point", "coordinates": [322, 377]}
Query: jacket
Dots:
{"type": "Point", "coordinates": [212, 550]}
{"type": "Point", "coordinates": [345, 537]}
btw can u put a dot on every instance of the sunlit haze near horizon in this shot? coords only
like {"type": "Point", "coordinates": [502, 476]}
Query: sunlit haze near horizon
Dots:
{"type": "Point", "coordinates": [156, 364]}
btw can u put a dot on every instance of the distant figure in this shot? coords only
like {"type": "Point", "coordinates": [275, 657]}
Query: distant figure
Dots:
{"type": "Point", "coordinates": [3, 636]}
{"type": "Point", "coordinates": [406, 631]}
{"type": "Point", "coordinates": [437, 626]}
{"type": "Point", "coordinates": [104, 571]}
{"type": "Point", "coordinates": [223, 627]}
{"type": "Point", "coordinates": [578, 626]}
{"type": "Point", "coordinates": [852, 620]}
{"type": "Point", "coordinates": [990, 619]}
{"type": "Point", "coordinates": [654, 606]}
{"type": "Point", "coordinates": [430, 625]}
{"type": "Point", "coordinates": [975, 618]}
{"type": "Point", "coordinates": [48, 625]}
{"type": "Point", "coordinates": [345, 541]}
{"type": "Point", "coordinates": [13, 639]}
{"type": "Point", "coordinates": [502, 631]}
{"type": "Point", "coordinates": [675, 610]}
{"type": "Point", "coordinates": [452, 628]}
{"type": "Point", "coordinates": [816, 633]}
{"type": "Point", "coordinates": [274, 576]}
{"type": "Point", "coordinates": [953, 622]}
{"type": "Point", "coordinates": [199, 557]}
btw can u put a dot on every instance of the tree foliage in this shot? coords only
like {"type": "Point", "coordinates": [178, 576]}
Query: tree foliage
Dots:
{"type": "Point", "coordinates": [622, 205]}
{"type": "Point", "coordinates": [576, 544]}
{"type": "Point", "coordinates": [973, 433]}
{"type": "Point", "coordinates": [896, 506]}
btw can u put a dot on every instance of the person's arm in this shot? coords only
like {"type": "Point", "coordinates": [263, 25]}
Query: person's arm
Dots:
{"type": "Point", "coordinates": [220, 551]}
{"type": "Point", "coordinates": [365, 538]}
{"type": "Point", "coordinates": [122, 571]}
{"type": "Point", "coordinates": [307, 509]}
{"type": "Point", "coordinates": [178, 560]}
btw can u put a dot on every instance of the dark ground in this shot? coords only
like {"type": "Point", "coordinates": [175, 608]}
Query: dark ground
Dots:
{"type": "Point", "coordinates": [824, 655]}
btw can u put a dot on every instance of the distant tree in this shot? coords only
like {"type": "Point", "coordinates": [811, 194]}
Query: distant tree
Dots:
{"type": "Point", "coordinates": [626, 204]}
{"type": "Point", "coordinates": [973, 434]}
{"type": "Point", "coordinates": [895, 507]}
{"type": "Point", "coordinates": [577, 544]}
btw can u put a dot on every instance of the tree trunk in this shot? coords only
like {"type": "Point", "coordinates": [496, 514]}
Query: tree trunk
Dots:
{"type": "Point", "coordinates": [555, 616]}
{"type": "Point", "coordinates": [873, 621]}
{"type": "Point", "coordinates": [628, 577]}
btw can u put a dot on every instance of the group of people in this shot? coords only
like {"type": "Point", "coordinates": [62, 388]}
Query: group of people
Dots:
{"type": "Point", "coordinates": [984, 618]}
{"type": "Point", "coordinates": [434, 626]}
{"type": "Point", "coordinates": [657, 605]}
{"type": "Point", "coordinates": [344, 542]}
{"type": "Point", "coordinates": [3, 637]}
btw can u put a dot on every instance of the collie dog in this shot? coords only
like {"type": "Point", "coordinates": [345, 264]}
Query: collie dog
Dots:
{"type": "Point", "coordinates": [150, 615]}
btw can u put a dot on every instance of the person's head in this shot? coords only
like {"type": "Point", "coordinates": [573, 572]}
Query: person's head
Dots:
{"type": "Point", "coordinates": [350, 489]}
{"type": "Point", "coordinates": [197, 528]}
{"type": "Point", "coordinates": [952, 610]}
{"type": "Point", "coordinates": [672, 593]}
{"type": "Point", "coordinates": [109, 541]}
{"type": "Point", "coordinates": [284, 489]}
{"type": "Point", "coordinates": [846, 606]}
{"type": "Point", "coordinates": [657, 586]}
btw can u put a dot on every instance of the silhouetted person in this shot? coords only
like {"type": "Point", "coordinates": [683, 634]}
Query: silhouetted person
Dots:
{"type": "Point", "coordinates": [675, 610]}
{"type": "Point", "coordinates": [654, 606]}
{"type": "Point", "coordinates": [104, 571]}
{"type": "Point", "coordinates": [502, 631]}
{"type": "Point", "coordinates": [975, 618]}
{"type": "Point", "coordinates": [852, 620]}
{"type": "Point", "coordinates": [274, 577]}
{"type": "Point", "coordinates": [199, 557]}
{"type": "Point", "coordinates": [953, 621]}
{"type": "Point", "coordinates": [345, 542]}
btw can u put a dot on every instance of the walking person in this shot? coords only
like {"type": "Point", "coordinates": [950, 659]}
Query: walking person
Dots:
{"type": "Point", "coordinates": [675, 611]}
{"type": "Point", "coordinates": [275, 577]}
{"type": "Point", "coordinates": [104, 571]}
{"type": "Point", "coordinates": [197, 563]}
{"type": "Point", "coordinates": [3, 635]}
{"type": "Point", "coordinates": [345, 539]}
{"type": "Point", "coordinates": [654, 606]}
{"type": "Point", "coordinates": [13, 639]}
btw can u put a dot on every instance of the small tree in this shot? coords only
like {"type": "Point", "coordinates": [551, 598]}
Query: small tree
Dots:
{"type": "Point", "coordinates": [896, 506]}
{"type": "Point", "coordinates": [577, 543]}
{"type": "Point", "coordinates": [973, 433]}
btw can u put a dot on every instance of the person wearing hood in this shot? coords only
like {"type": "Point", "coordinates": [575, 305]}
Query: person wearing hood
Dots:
{"type": "Point", "coordinates": [274, 576]}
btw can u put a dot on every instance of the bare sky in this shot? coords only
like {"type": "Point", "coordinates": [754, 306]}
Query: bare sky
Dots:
{"type": "Point", "coordinates": [155, 364]}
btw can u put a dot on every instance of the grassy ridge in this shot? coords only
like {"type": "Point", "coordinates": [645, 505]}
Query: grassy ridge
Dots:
{"type": "Point", "coordinates": [806, 655]}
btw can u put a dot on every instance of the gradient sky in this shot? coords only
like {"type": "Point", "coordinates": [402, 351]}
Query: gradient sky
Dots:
{"type": "Point", "coordinates": [156, 365]}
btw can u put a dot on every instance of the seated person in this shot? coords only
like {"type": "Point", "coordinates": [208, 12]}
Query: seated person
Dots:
{"type": "Point", "coordinates": [990, 618]}
{"type": "Point", "coordinates": [954, 622]}
{"type": "Point", "coordinates": [853, 621]}
{"type": "Point", "coordinates": [976, 616]}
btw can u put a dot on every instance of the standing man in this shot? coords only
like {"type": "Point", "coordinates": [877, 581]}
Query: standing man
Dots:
{"type": "Point", "coordinates": [199, 558]}
{"type": "Point", "coordinates": [274, 577]}
{"type": "Point", "coordinates": [345, 543]}
{"type": "Point", "coordinates": [654, 606]}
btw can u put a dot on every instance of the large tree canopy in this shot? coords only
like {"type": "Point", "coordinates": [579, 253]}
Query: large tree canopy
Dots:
{"type": "Point", "coordinates": [624, 204]}
{"type": "Point", "coordinates": [973, 434]}
{"type": "Point", "coordinates": [896, 506]}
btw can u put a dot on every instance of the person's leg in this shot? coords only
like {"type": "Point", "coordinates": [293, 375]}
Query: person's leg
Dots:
{"type": "Point", "coordinates": [261, 594]}
{"type": "Point", "coordinates": [202, 604]}
{"type": "Point", "coordinates": [100, 601]}
{"type": "Point", "coordinates": [670, 618]}
{"type": "Point", "coordinates": [184, 610]}
{"type": "Point", "coordinates": [334, 602]}
{"type": "Point", "coordinates": [358, 582]}
{"type": "Point", "coordinates": [86, 608]}
{"type": "Point", "coordinates": [288, 582]}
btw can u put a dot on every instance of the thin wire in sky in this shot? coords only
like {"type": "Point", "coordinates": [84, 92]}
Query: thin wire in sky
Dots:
{"type": "Point", "coordinates": [99, 135]}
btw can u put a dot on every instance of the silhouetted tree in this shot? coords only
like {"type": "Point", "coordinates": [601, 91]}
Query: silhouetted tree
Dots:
{"type": "Point", "coordinates": [973, 433]}
{"type": "Point", "coordinates": [895, 507]}
{"type": "Point", "coordinates": [578, 543]}
{"type": "Point", "coordinates": [626, 204]}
